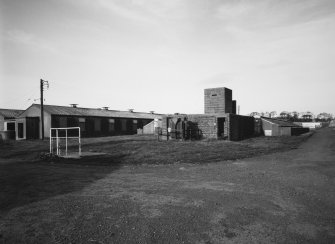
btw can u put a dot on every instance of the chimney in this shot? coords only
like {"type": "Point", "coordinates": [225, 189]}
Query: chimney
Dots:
{"type": "Point", "coordinates": [105, 108]}
{"type": "Point", "coordinates": [73, 105]}
{"type": "Point", "coordinates": [131, 110]}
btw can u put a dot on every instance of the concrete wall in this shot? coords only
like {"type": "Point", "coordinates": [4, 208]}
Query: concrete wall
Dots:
{"type": "Point", "coordinates": [207, 124]}
{"type": "Point", "coordinates": [270, 129]}
{"type": "Point", "coordinates": [2, 123]}
{"type": "Point", "coordinates": [202, 125]}
{"type": "Point", "coordinates": [151, 128]}
{"type": "Point", "coordinates": [236, 127]}
{"type": "Point", "coordinates": [218, 100]}
{"type": "Point", "coordinates": [285, 131]}
{"type": "Point", "coordinates": [240, 127]}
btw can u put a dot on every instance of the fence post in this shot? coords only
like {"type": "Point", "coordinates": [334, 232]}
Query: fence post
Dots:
{"type": "Point", "coordinates": [79, 136]}
{"type": "Point", "coordinates": [66, 142]}
{"type": "Point", "coordinates": [50, 141]}
{"type": "Point", "coordinates": [57, 142]}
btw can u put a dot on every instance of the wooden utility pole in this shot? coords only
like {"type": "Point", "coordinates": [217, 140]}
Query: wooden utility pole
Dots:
{"type": "Point", "coordinates": [42, 83]}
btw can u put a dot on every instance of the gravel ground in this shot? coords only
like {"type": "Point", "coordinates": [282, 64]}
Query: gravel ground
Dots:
{"type": "Point", "coordinates": [286, 197]}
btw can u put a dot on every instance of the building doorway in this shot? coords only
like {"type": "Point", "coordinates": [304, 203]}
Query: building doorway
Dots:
{"type": "Point", "coordinates": [32, 127]}
{"type": "Point", "coordinates": [220, 126]}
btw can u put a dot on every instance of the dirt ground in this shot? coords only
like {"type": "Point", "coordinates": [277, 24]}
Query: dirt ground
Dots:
{"type": "Point", "coordinates": [283, 197]}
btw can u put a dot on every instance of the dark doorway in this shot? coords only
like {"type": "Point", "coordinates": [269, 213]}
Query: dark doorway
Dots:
{"type": "Point", "coordinates": [20, 130]}
{"type": "Point", "coordinates": [33, 128]}
{"type": "Point", "coordinates": [221, 122]}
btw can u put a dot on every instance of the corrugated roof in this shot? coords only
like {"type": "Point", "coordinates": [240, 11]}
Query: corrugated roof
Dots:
{"type": "Point", "coordinates": [94, 112]}
{"type": "Point", "coordinates": [282, 123]}
{"type": "Point", "coordinates": [10, 113]}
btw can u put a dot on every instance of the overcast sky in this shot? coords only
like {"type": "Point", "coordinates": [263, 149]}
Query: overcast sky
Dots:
{"type": "Point", "coordinates": [160, 54]}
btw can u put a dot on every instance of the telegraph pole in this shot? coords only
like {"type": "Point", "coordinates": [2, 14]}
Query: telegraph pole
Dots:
{"type": "Point", "coordinates": [42, 83]}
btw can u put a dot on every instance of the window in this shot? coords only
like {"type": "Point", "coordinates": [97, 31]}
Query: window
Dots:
{"type": "Point", "coordinates": [123, 124]}
{"type": "Point", "coordinates": [82, 124]}
{"type": "Point", "coordinates": [214, 95]}
{"type": "Point", "coordinates": [97, 124]}
{"type": "Point", "coordinates": [11, 126]}
{"type": "Point", "coordinates": [111, 124]}
{"type": "Point", "coordinates": [135, 121]}
{"type": "Point", "coordinates": [62, 122]}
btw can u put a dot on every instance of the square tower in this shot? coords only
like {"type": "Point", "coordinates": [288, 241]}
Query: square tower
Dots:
{"type": "Point", "coordinates": [233, 107]}
{"type": "Point", "coordinates": [218, 100]}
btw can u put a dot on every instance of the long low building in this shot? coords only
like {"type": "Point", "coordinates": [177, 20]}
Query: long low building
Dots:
{"type": "Point", "coordinates": [277, 127]}
{"type": "Point", "coordinates": [92, 122]}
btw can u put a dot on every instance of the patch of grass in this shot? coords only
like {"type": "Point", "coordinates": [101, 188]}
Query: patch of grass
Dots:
{"type": "Point", "coordinates": [145, 149]}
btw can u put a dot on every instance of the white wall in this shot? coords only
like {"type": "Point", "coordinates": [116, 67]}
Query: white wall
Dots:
{"type": "Point", "coordinates": [34, 111]}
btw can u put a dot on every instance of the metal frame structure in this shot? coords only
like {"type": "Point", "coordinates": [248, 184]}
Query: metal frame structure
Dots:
{"type": "Point", "coordinates": [66, 137]}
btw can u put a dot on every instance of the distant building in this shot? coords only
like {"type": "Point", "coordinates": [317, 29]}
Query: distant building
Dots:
{"type": "Point", "coordinates": [7, 122]}
{"type": "Point", "coordinates": [278, 127]}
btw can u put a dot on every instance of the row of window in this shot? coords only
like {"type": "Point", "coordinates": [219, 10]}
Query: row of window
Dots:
{"type": "Point", "coordinates": [97, 124]}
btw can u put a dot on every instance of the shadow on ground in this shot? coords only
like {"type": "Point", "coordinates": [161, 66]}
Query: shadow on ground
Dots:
{"type": "Point", "coordinates": [27, 182]}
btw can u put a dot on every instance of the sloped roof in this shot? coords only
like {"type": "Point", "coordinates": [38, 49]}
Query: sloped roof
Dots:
{"type": "Point", "coordinates": [282, 123]}
{"type": "Point", "coordinates": [10, 113]}
{"type": "Point", "coordinates": [94, 112]}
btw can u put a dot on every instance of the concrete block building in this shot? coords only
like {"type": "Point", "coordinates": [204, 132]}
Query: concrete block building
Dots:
{"type": "Point", "coordinates": [227, 126]}
{"type": "Point", "coordinates": [218, 121]}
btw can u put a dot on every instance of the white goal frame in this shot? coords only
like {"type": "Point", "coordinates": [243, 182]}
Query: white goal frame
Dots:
{"type": "Point", "coordinates": [66, 137]}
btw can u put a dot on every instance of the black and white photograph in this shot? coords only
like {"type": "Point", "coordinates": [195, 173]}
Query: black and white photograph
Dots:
{"type": "Point", "coordinates": [167, 121]}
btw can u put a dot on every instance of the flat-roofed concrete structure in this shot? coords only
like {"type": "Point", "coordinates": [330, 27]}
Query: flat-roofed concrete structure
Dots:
{"type": "Point", "coordinates": [218, 122]}
{"type": "Point", "coordinates": [218, 100]}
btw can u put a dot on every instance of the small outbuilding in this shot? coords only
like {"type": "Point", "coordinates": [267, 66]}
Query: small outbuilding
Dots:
{"type": "Point", "coordinates": [277, 127]}
{"type": "Point", "coordinates": [225, 126]}
{"type": "Point", "coordinates": [7, 122]}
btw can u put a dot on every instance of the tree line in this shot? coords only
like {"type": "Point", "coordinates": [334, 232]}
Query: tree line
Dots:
{"type": "Point", "coordinates": [296, 116]}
